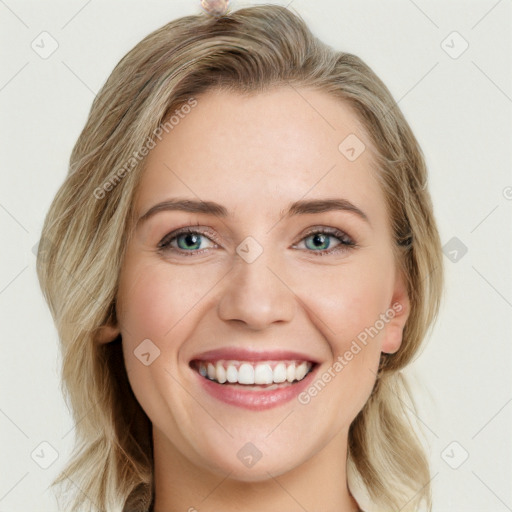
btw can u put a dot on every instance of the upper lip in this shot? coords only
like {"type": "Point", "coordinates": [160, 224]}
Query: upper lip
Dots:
{"type": "Point", "coordinates": [243, 354]}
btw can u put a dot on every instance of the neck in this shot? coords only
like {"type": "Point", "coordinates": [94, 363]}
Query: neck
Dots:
{"type": "Point", "coordinates": [318, 484]}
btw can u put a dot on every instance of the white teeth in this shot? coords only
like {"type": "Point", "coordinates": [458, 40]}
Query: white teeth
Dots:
{"type": "Point", "coordinates": [232, 374]}
{"type": "Point", "coordinates": [301, 370]}
{"type": "Point", "coordinates": [280, 373]}
{"type": "Point", "coordinates": [246, 374]}
{"type": "Point", "coordinates": [220, 373]}
{"type": "Point", "coordinates": [290, 373]}
{"type": "Point", "coordinates": [252, 373]}
{"type": "Point", "coordinates": [263, 374]}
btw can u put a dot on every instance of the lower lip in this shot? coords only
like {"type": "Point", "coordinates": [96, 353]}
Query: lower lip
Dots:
{"type": "Point", "coordinates": [254, 399]}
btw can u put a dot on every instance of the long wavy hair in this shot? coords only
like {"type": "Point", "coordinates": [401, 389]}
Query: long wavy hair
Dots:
{"type": "Point", "coordinates": [88, 225]}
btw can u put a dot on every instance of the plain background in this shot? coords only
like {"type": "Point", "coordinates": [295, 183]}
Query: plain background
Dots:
{"type": "Point", "coordinates": [459, 107]}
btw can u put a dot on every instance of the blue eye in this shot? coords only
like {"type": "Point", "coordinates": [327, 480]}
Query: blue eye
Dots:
{"type": "Point", "coordinates": [189, 242]}
{"type": "Point", "coordinates": [184, 240]}
{"type": "Point", "coordinates": [320, 241]}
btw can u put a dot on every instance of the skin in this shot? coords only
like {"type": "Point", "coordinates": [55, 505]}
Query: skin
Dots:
{"type": "Point", "coordinates": [255, 155]}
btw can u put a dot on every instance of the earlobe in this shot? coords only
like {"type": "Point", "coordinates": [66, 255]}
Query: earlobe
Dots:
{"type": "Point", "coordinates": [398, 313]}
{"type": "Point", "coordinates": [107, 333]}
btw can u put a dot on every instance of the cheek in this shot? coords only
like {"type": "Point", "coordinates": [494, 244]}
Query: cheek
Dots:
{"type": "Point", "coordinates": [161, 304]}
{"type": "Point", "coordinates": [347, 300]}
{"type": "Point", "coordinates": [346, 304]}
{"type": "Point", "coordinates": [149, 307]}
{"type": "Point", "coordinates": [157, 303]}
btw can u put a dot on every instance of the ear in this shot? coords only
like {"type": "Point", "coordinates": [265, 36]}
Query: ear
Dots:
{"type": "Point", "coordinates": [107, 333]}
{"type": "Point", "coordinates": [398, 312]}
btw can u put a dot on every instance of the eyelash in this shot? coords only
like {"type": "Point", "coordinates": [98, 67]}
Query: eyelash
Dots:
{"type": "Point", "coordinates": [346, 243]}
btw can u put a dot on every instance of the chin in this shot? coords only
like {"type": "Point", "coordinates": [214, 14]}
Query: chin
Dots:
{"type": "Point", "coordinates": [246, 461]}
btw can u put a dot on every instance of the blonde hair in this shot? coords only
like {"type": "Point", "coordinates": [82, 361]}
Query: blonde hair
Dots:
{"type": "Point", "coordinates": [86, 231]}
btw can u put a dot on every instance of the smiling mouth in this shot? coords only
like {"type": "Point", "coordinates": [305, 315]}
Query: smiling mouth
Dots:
{"type": "Point", "coordinates": [263, 374]}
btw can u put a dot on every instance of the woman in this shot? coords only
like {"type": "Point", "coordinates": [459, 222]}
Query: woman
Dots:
{"type": "Point", "coordinates": [240, 262]}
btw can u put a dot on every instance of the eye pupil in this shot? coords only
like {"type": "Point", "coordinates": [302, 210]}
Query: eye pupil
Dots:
{"type": "Point", "coordinates": [190, 239]}
{"type": "Point", "coordinates": [319, 240]}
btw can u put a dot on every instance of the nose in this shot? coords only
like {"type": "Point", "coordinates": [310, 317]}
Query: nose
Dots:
{"type": "Point", "coordinates": [257, 294]}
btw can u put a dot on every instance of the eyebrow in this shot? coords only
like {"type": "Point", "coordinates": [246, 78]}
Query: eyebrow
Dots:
{"type": "Point", "coordinates": [301, 207]}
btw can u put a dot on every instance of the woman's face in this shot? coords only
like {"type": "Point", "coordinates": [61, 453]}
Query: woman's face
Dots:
{"type": "Point", "coordinates": [216, 323]}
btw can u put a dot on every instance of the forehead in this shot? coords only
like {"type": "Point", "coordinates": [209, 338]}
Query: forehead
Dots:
{"type": "Point", "coordinates": [242, 150]}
